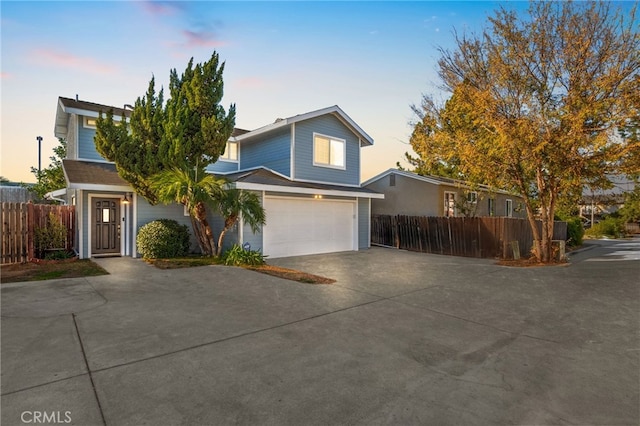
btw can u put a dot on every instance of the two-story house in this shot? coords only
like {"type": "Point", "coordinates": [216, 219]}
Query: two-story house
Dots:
{"type": "Point", "coordinates": [305, 168]}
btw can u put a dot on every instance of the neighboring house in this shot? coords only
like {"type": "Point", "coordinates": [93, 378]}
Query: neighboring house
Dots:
{"type": "Point", "coordinates": [305, 168]}
{"type": "Point", "coordinates": [595, 203]}
{"type": "Point", "coordinates": [14, 193]}
{"type": "Point", "coordinates": [410, 194]}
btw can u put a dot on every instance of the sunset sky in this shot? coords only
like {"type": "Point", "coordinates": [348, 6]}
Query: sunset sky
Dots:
{"type": "Point", "coordinates": [373, 59]}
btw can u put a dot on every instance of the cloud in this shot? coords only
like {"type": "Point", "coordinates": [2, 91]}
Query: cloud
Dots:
{"type": "Point", "coordinates": [249, 83]}
{"type": "Point", "coordinates": [162, 8]}
{"type": "Point", "coordinates": [201, 39]}
{"type": "Point", "coordinates": [67, 60]}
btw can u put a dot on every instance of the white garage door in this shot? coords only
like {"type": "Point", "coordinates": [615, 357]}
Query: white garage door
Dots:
{"type": "Point", "coordinates": [298, 226]}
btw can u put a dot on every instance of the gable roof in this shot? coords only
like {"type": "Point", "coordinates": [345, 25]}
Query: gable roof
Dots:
{"type": "Point", "coordinates": [264, 179]}
{"type": "Point", "coordinates": [92, 174]}
{"type": "Point", "coordinates": [434, 180]}
{"type": "Point", "coordinates": [68, 106]}
{"type": "Point", "coordinates": [334, 110]}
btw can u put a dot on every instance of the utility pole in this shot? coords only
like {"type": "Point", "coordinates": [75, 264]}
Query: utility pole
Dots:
{"type": "Point", "coordinates": [39, 139]}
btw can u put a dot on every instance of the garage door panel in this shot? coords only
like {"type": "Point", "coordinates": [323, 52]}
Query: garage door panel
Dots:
{"type": "Point", "coordinates": [298, 226]}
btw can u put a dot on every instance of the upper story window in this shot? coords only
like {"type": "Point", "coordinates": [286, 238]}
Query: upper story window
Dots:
{"type": "Point", "coordinates": [90, 122]}
{"type": "Point", "coordinates": [329, 151]}
{"type": "Point", "coordinates": [230, 152]}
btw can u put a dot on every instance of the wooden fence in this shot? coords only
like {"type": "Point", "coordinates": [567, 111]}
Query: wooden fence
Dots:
{"type": "Point", "coordinates": [19, 222]}
{"type": "Point", "coordinates": [487, 237]}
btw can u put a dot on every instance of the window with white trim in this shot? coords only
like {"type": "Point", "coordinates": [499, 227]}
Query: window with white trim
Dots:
{"type": "Point", "coordinates": [492, 207]}
{"type": "Point", "coordinates": [509, 208]}
{"type": "Point", "coordinates": [90, 122]}
{"type": "Point", "coordinates": [230, 152]}
{"type": "Point", "coordinates": [449, 204]}
{"type": "Point", "coordinates": [329, 151]}
{"type": "Point", "coordinates": [472, 197]}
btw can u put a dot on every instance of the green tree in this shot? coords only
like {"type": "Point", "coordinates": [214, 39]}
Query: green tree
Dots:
{"type": "Point", "coordinates": [190, 129]}
{"type": "Point", "coordinates": [52, 177]}
{"type": "Point", "coordinates": [630, 211]}
{"type": "Point", "coordinates": [180, 136]}
{"type": "Point", "coordinates": [536, 103]}
{"type": "Point", "coordinates": [233, 203]}
{"type": "Point", "coordinates": [193, 188]}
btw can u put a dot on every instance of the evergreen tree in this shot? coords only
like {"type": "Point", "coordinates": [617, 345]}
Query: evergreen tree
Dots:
{"type": "Point", "coordinates": [189, 130]}
{"type": "Point", "coordinates": [176, 139]}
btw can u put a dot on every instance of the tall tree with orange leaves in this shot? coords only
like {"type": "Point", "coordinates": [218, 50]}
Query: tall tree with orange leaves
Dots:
{"type": "Point", "coordinates": [540, 104]}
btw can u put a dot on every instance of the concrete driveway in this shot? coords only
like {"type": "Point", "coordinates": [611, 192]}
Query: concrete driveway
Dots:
{"type": "Point", "coordinates": [400, 338]}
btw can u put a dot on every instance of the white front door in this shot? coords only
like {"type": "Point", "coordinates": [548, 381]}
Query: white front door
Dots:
{"type": "Point", "coordinates": [299, 226]}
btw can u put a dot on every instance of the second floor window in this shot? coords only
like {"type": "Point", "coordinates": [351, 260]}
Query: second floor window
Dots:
{"type": "Point", "coordinates": [329, 151]}
{"type": "Point", "coordinates": [230, 152]}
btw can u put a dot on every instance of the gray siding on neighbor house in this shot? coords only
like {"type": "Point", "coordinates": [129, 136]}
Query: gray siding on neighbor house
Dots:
{"type": "Point", "coordinates": [327, 125]}
{"type": "Point", "coordinates": [272, 151]}
{"type": "Point", "coordinates": [363, 223]}
{"type": "Point", "coordinates": [409, 197]}
{"type": "Point", "coordinates": [413, 197]}
{"type": "Point", "coordinates": [86, 144]}
{"type": "Point", "coordinates": [222, 166]}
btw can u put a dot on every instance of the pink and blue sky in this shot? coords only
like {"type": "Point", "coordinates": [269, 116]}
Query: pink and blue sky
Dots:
{"type": "Point", "coordinates": [373, 59]}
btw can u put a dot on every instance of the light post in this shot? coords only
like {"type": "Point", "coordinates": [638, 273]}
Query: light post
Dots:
{"type": "Point", "coordinates": [39, 139]}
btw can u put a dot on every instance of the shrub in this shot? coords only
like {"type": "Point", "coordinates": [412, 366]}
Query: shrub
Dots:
{"type": "Point", "coordinates": [575, 231]}
{"type": "Point", "coordinates": [163, 238]}
{"type": "Point", "coordinates": [610, 227]}
{"type": "Point", "coordinates": [237, 256]}
{"type": "Point", "coordinates": [51, 236]}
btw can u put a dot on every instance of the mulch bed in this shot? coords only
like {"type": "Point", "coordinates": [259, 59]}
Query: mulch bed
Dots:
{"type": "Point", "coordinates": [291, 274]}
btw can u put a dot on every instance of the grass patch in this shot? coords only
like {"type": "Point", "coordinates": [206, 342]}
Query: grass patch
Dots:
{"type": "Point", "coordinates": [21, 272]}
{"type": "Point", "coordinates": [184, 262]}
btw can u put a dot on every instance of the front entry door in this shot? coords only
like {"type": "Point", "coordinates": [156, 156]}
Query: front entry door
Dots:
{"type": "Point", "coordinates": [105, 238]}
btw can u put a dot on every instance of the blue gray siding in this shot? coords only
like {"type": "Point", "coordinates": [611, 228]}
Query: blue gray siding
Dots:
{"type": "Point", "coordinates": [86, 144]}
{"type": "Point", "coordinates": [221, 166]}
{"type": "Point", "coordinates": [217, 224]}
{"type": "Point", "coordinates": [364, 216]}
{"type": "Point", "coordinates": [249, 237]}
{"type": "Point", "coordinates": [148, 213]}
{"type": "Point", "coordinates": [303, 147]}
{"type": "Point", "coordinates": [272, 151]}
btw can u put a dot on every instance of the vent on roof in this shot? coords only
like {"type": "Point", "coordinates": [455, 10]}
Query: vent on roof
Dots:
{"type": "Point", "coordinates": [77, 97]}
{"type": "Point", "coordinates": [279, 120]}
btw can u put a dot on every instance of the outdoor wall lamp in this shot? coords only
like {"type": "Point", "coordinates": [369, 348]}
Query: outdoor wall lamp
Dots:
{"type": "Point", "coordinates": [126, 199]}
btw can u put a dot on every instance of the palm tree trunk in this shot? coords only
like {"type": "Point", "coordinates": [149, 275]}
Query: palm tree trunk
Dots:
{"type": "Point", "coordinates": [206, 235]}
{"type": "Point", "coordinates": [220, 240]}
